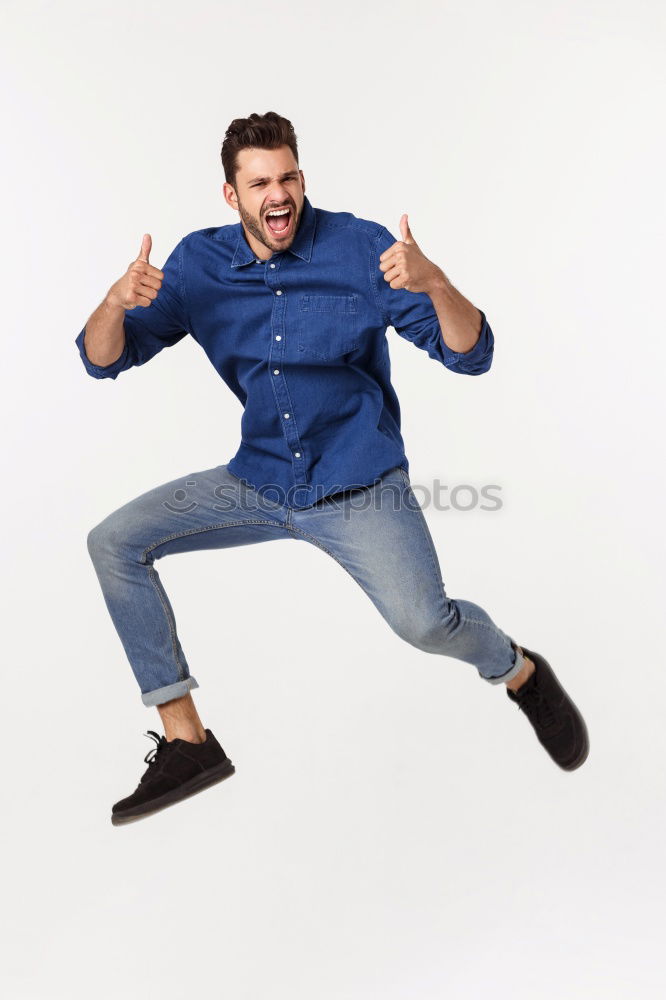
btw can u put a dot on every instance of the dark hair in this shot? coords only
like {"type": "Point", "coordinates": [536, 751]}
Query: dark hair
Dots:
{"type": "Point", "coordinates": [269, 131]}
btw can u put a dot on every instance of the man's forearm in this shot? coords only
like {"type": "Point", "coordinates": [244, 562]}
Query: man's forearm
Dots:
{"type": "Point", "coordinates": [459, 320]}
{"type": "Point", "coordinates": [104, 339]}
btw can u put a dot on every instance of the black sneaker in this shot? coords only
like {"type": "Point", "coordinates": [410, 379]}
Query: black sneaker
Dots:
{"type": "Point", "coordinates": [559, 726]}
{"type": "Point", "coordinates": [176, 770]}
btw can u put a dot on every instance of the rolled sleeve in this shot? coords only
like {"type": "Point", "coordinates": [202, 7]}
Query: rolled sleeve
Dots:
{"type": "Point", "coordinates": [121, 364]}
{"type": "Point", "coordinates": [479, 358]}
{"type": "Point", "coordinates": [149, 329]}
{"type": "Point", "coordinates": [414, 317]}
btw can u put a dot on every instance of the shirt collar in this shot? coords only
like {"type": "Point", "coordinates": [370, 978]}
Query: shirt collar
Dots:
{"type": "Point", "coordinates": [300, 247]}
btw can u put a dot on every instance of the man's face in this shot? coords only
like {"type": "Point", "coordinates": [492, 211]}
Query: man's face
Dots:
{"type": "Point", "coordinates": [267, 180]}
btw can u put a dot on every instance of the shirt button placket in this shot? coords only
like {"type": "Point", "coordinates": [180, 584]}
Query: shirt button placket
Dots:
{"type": "Point", "coordinates": [275, 362]}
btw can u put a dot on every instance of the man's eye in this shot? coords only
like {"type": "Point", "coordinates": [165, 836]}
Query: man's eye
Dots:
{"type": "Point", "coordinates": [260, 183]}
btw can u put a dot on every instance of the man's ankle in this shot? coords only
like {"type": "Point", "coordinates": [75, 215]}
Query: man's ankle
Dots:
{"type": "Point", "coordinates": [189, 735]}
{"type": "Point", "coordinates": [527, 671]}
{"type": "Point", "coordinates": [181, 720]}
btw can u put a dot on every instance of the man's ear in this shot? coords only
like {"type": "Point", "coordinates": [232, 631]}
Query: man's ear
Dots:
{"type": "Point", "coordinates": [230, 196]}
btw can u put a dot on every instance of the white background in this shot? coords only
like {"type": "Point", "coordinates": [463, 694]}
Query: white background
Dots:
{"type": "Point", "coordinates": [393, 828]}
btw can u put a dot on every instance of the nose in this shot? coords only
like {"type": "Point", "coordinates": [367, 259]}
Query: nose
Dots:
{"type": "Point", "coordinates": [277, 197]}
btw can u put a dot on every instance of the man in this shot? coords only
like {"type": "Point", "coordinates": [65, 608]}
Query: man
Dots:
{"type": "Point", "coordinates": [291, 305]}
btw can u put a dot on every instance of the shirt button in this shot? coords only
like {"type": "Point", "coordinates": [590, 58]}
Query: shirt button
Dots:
{"type": "Point", "coordinates": [278, 337]}
{"type": "Point", "coordinates": [272, 265]}
{"type": "Point", "coordinates": [297, 454]}
{"type": "Point", "coordinates": [276, 371]}
{"type": "Point", "coordinates": [286, 416]}
{"type": "Point", "coordinates": [278, 292]}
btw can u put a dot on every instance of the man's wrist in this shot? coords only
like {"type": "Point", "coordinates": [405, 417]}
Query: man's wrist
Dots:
{"type": "Point", "coordinates": [461, 320]}
{"type": "Point", "coordinates": [112, 306]}
{"type": "Point", "coordinates": [440, 285]}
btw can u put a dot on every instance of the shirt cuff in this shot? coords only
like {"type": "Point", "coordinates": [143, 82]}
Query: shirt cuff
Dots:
{"type": "Point", "coordinates": [478, 358]}
{"type": "Point", "coordinates": [102, 371]}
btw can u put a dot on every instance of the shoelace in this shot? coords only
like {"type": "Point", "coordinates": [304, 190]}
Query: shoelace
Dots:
{"type": "Point", "coordinates": [537, 708]}
{"type": "Point", "coordinates": [156, 754]}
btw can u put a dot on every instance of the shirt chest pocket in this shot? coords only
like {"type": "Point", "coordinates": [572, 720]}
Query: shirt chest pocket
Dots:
{"type": "Point", "coordinates": [327, 326]}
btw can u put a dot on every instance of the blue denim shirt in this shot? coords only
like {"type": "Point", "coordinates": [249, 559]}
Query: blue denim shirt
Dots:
{"type": "Point", "coordinates": [300, 339]}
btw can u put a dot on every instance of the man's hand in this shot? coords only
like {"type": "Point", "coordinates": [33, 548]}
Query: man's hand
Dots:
{"type": "Point", "coordinates": [405, 266]}
{"type": "Point", "coordinates": [140, 284]}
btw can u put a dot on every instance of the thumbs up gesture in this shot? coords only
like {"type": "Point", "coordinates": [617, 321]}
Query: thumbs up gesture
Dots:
{"type": "Point", "coordinates": [405, 266]}
{"type": "Point", "coordinates": [141, 282]}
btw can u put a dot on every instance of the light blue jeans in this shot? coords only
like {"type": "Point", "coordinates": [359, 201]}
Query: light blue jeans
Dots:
{"type": "Point", "coordinates": [378, 533]}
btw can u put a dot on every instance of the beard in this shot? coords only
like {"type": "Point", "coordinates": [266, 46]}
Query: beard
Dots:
{"type": "Point", "coordinates": [255, 225]}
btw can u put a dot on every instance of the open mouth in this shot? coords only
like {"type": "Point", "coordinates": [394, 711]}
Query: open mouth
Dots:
{"type": "Point", "coordinates": [280, 223]}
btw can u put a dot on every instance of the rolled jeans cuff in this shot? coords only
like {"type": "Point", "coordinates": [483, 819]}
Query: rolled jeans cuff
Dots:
{"type": "Point", "coordinates": [515, 669]}
{"type": "Point", "coordinates": [177, 690]}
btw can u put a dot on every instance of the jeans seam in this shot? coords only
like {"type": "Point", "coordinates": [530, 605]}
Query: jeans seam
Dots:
{"type": "Point", "coordinates": [152, 576]}
{"type": "Point", "coordinates": [163, 687]}
{"type": "Point", "coordinates": [169, 617]}
{"type": "Point", "coordinates": [429, 541]}
{"type": "Point", "coordinates": [463, 618]}
{"type": "Point", "coordinates": [209, 527]}
{"type": "Point", "coordinates": [315, 541]}
{"type": "Point", "coordinates": [320, 545]}
{"type": "Point", "coordinates": [475, 621]}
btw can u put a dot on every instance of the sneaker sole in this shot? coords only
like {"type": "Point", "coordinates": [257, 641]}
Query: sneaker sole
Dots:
{"type": "Point", "coordinates": [196, 784]}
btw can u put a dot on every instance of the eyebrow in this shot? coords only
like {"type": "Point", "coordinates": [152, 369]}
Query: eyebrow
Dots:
{"type": "Point", "coordinates": [289, 173]}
